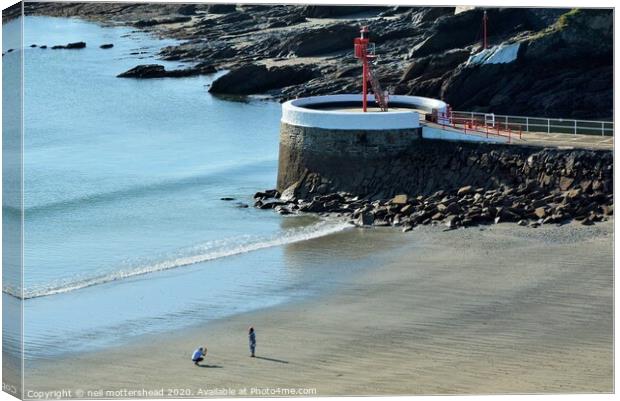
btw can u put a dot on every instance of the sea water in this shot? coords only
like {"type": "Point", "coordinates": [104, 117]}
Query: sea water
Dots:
{"type": "Point", "coordinates": [125, 232]}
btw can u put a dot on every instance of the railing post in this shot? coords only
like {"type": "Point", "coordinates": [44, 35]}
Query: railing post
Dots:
{"type": "Point", "coordinates": [527, 123]}
{"type": "Point", "coordinates": [602, 128]}
{"type": "Point", "coordinates": [575, 127]}
{"type": "Point", "coordinates": [548, 126]}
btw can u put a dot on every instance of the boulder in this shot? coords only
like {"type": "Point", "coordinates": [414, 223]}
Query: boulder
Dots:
{"type": "Point", "coordinates": [452, 222]}
{"type": "Point", "coordinates": [282, 209]}
{"type": "Point", "coordinates": [565, 183]}
{"type": "Point", "coordinates": [400, 200]}
{"type": "Point", "coordinates": [146, 71]}
{"type": "Point", "coordinates": [437, 216]}
{"type": "Point", "coordinates": [573, 193]}
{"type": "Point", "coordinates": [107, 46]}
{"type": "Point", "coordinates": [75, 45]}
{"type": "Point", "coordinates": [407, 209]}
{"type": "Point", "coordinates": [366, 219]}
{"type": "Point", "coordinates": [254, 78]}
{"type": "Point", "coordinates": [540, 212]}
{"type": "Point", "coordinates": [466, 190]}
{"type": "Point", "coordinates": [289, 193]}
{"type": "Point", "coordinates": [161, 21]}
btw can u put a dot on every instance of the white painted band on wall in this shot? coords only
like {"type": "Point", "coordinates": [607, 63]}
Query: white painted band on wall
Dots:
{"type": "Point", "coordinates": [297, 112]}
{"type": "Point", "coordinates": [448, 135]}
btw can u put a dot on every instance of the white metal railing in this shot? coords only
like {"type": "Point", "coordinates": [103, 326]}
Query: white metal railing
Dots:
{"type": "Point", "coordinates": [540, 124]}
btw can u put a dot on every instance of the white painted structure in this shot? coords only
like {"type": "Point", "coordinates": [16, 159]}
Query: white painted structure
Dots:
{"type": "Point", "coordinates": [500, 54]}
{"type": "Point", "coordinates": [307, 112]}
{"type": "Point", "coordinates": [298, 112]}
{"type": "Point", "coordinates": [454, 135]}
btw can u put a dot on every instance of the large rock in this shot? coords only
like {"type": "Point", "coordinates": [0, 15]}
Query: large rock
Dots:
{"type": "Point", "coordinates": [435, 65]}
{"type": "Point", "coordinates": [463, 29]}
{"type": "Point", "coordinates": [320, 41]}
{"type": "Point", "coordinates": [253, 78]}
{"type": "Point", "coordinates": [146, 71]}
{"type": "Point", "coordinates": [565, 70]}
{"type": "Point", "coordinates": [74, 45]}
{"type": "Point", "coordinates": [400, 199]}
{"type": "Point", "coordinates": [161, 21]}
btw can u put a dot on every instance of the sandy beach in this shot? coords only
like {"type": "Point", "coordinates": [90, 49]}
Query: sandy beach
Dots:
{"type": "Point", "coordinates": [501, 309]}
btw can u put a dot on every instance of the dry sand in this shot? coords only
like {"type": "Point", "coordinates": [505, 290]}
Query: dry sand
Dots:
{"type": "Point", "coordinates": [505, 309]}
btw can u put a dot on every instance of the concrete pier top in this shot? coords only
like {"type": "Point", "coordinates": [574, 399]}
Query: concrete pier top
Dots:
{"type": "Point", "coordinates": [343, 112]}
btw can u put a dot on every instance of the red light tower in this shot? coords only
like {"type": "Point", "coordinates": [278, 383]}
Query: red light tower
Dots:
{"type": "Point", "coordinates": [365, 51]}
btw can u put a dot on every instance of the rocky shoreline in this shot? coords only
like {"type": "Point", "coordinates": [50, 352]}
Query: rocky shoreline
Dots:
{"type": "Point", "coordinates": [469, 187]}
{"type": "Point", "coordinates": [563, 66]}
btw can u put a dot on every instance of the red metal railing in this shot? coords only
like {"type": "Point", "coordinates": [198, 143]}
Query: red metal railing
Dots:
{"type": "Point", "coordinates": [477, 127]}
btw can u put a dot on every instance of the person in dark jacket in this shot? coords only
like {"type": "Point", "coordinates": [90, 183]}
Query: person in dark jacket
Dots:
{"type": "Point", "coordinates": [252, 338]}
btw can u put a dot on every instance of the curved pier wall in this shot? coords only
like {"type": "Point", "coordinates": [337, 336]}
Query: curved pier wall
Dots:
{"type": "Point", "coordinates": [339, 155]}
{"type": "Point", "coordinates": [428, 166]}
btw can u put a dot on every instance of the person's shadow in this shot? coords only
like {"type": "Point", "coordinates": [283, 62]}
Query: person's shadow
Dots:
{"type": "Point", "coordinates": [270, 359]}
{"type": "Point", "coordinates": [210, 366]}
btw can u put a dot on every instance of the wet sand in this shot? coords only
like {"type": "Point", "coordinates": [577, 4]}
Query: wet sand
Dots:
{"type": "Point", "coordinates": [505, 309]}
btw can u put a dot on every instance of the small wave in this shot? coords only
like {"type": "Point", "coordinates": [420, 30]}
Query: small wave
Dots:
{"type": "Point", "coordinates": [216, 250]}
{"type": "Point", "coordinates": [136, 191]}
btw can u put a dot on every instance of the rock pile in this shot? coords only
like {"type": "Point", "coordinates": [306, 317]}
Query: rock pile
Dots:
{"type": "Point", "coordinates": [461, 186]}
{"type": "Point", "coordinates": [465, 207]}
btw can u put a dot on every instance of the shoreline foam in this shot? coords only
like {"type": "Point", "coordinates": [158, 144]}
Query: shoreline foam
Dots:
{"type": "Point", "coordinates": [506, 309]}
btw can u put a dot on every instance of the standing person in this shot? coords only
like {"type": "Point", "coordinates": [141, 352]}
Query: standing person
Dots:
{"type": "Point", "coordinates": [199, 354]}
{"type": "Point", "coordinates": [252, 338]}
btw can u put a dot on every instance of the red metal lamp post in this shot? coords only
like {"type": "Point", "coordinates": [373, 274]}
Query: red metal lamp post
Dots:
{"type": "Point", "coordinates": [364, 50]}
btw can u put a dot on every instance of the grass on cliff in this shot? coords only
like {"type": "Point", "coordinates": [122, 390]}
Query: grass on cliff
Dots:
{"type": "Point", "coordinates": [563, 22]}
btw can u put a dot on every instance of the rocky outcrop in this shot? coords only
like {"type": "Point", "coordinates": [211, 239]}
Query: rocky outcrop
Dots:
{"type": "Point", "coordinates": [542, 81]}
{"type": "Point", "coordinates": [146, 71]}
{"type": "Point", "coordinates": [319, 41]}
{"type": "Point", "coordinates": [460, 185]}
{"type": "Point", "coordinates": [563, 67]}
{"type": "Point", "coordinates": [254, 78]}
{"type": "Point", "coordinates": [161, 21]}
{"type": "Point", "coordinates": [75, 45]}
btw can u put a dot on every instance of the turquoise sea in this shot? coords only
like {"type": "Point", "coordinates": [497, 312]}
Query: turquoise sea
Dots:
{"type": "Point", "coordinates": [124, 229]}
